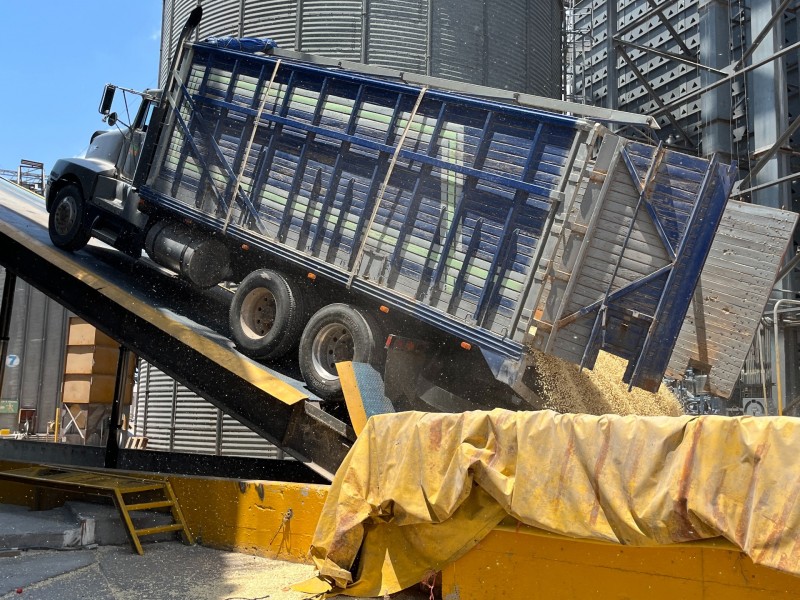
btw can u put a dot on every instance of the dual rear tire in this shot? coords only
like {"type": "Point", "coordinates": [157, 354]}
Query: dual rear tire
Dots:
{"type": "Point", "coordinates": [269, 317]}
{"type": "Point", "coordinates": [337, 333]}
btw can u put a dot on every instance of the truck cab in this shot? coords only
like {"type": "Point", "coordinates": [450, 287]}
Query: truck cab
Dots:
{"type": "Point", "coordinates": [92, 194]}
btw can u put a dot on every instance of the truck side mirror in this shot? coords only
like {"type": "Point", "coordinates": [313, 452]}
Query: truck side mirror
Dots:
{"type": "Point", "coordinates": [108, 98]}
{"type": "Point", "coordinates": [111, 119]}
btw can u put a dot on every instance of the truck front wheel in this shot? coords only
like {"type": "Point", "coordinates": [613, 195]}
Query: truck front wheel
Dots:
{"type": "Point", "coordinates": [336, 333]}
{"type": "Point", "coordinates": [67, 223]}
{"type": "Point", "coordinates": [266, 315]}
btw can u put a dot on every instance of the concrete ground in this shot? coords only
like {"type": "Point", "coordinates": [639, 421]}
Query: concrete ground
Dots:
{"type": "Point", "coordinates": [44, 556]}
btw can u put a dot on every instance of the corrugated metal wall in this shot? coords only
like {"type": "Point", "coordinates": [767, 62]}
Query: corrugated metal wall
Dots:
{"type": "Point", "coordinates": [173, 418]}
{"type": "Point", "coordinates": [513, 44]}
{"type": "Point", "coordinates": [35, 361]}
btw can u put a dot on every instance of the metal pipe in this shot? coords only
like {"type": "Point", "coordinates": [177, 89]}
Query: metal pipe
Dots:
{"type": "Point", "coordinates": [653, 94]}
{"type": "Point", "coordinates": [761, 335]}
{"type": "Point", "coordinates": [365, 31]}
{"type": "Point", "coordinates": [298, 28]}
{"type": "Point", "coordinates": [787, 268]}
{"type": "Point", "coordinates": [57, 424]}
{"type": "Point", "coordinates": [643, 18]}
{"type": "Point", "coordinates": [429, 40]}
{"type": "Point", "coordinates": [778, 382]}
{"type": "Point", "coordinates": [670, 55]}
{"type": "Point", "coordinates": [772, 151]}
{"type": "Point", "coordinates": [699, 92]}
{"type": "Point", "coordinates": [763, 186]}
{"type": "Point", "coordinates": [668, 26]}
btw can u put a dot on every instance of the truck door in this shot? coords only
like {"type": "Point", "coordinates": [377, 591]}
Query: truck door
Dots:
{"type": "Point", "coordinates": [131, 152]}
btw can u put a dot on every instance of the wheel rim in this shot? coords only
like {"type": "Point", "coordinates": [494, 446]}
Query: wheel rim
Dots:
{"type": "Point", "coordinates": [334, 343]}
{"type": "Point", "coordinates": [66, 214]}
{"type": "Point", "coordinates": [258, 313]}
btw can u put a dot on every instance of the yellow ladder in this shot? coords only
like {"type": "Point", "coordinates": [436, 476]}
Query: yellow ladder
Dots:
{"type": "Point", "coordinates": [157, 494]}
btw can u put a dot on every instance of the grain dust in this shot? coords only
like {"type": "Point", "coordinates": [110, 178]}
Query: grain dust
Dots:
{"type": "Point", "coordinates": [565, 389]}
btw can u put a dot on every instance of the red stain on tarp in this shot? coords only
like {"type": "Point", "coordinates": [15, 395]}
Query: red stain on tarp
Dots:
{"type": "Point", "coordinates": [747, 509]}
{"type": "Point", "coordinates": [435, 436]}
{"type": "Point", "coordinates": [682, 528]}
{"type": "Point", "coordinates": [565, 477]}
{"type": "Point", "coordinates": [598, 468]}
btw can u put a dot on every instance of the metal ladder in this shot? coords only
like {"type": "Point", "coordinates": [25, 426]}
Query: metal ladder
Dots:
{"type": "Point", "coordinates": [117, 487]}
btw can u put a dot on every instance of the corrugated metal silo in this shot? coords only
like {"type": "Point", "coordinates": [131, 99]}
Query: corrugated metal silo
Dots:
{"type": "Point", "coordinates": [174, 419]}
{"type": "Point", "coordinates": [514, 44]}
{"type": "Point", "coordinates": [35, 359]}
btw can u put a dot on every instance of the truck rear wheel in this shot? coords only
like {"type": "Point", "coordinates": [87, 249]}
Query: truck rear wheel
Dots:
{"type": "Point", "coordinates": [266, 315]}
{"type": "Point", "coordinates": [336, 333]}
{"type": "Point", "coordinates": [67, 222]}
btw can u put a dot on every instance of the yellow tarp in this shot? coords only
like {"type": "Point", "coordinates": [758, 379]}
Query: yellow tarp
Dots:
{"type": "Point", "coordinates": [418, 490]}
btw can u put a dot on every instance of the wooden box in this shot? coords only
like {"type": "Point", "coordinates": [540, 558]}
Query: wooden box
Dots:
{"type": "Point", "coordinates": [83, 334]}
{"type": "Point", "coordinates": [84, 389]}
{"type": "Point", "coordinates": [91, 360]}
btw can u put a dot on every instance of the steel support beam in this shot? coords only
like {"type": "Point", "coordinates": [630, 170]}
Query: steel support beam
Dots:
{"type": "Point", "coordinates": [6, 307]}
{"type": "Point", "coordinates": [317, 440]}
{"type": "Point", "coordinates": [646, 16]}
{"type": "Point", "coordinates": [115, 422]}
{"type": "Point", "coordinates": [653, 94]}
{"type": "Point", "coordinates": [765, 31]}
{"type": "Point", "coordinates": [675, 35]}
{"type": "Point", "coordinates": [730, 77]}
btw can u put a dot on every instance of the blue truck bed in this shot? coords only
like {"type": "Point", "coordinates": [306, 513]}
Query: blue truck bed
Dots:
{"type": "Point", "coordinates": [506, 226]}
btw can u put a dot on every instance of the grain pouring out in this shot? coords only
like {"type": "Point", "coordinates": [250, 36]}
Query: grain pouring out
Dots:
{"type": "Point", "coordinates": [599, 391]}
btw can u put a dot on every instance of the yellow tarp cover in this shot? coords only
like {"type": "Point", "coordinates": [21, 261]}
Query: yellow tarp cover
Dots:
{"type": "Point", "coordinates": [418, 490]}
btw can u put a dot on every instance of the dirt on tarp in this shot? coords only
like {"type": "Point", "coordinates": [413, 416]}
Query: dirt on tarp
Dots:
{"type": "Point", "coordinates": [565, 389]}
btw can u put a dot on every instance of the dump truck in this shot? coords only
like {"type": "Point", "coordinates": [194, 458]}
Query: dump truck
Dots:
{"type": "Point", "coordinates": [363, 213]}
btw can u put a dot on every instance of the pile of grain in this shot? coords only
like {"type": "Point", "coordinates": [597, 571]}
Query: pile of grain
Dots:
{"type": "Point", "coordinates": [565, 389]}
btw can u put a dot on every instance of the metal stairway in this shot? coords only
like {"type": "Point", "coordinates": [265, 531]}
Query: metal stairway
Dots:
{"type": "Point", "coordinates": [147, 494]}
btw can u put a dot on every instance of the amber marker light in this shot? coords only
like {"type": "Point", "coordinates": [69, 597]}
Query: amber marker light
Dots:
{"type": "Point", "coordinates": [466, 345]}
{"type": "Point", "coordinates": [311, 276]}
{"type": "Point", "coordinates": [245, 247]}
{"type": "Point", "coordinates": [384, 309]}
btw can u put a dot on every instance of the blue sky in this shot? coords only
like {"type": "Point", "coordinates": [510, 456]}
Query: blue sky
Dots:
{"type": "Point", "coordinates": [55, 58]}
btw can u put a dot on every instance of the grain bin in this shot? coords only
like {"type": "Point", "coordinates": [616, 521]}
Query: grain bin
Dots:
{"type": "Point", "coordinates": [513, 44]}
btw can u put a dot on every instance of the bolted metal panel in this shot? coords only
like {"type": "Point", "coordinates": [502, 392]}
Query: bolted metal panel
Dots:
{"type": "Point", "coordinates": [459, 41]}
{"type": "Point", "coordinates": [153, 407]}
{"type": "Point", "coordinates": [271, 18]}
{"type": "Point", "coordinates": [174, 419]}
{"type": "Point", "coordinates": [166, 41]}
{"type": "Point", "coordinates": [602, 19]}
{"type": "Point", "coordinates": [398, 34]}
{"type": "Point", "coordinates": [220, 17]}
{"type": "Point", "coordinates": [543, 59]}
{"type": "Point", "coordinates": [332, 28]}
{"type": "Point", "coordinates": [195, 423]}
{"type": "Point", "coordinates": [515, 45]}
{"type": "Point", "coordinates": [34, 364]}
{"type": "Point", "coordinates": [507, 44]}
{"type": "Point", "coordinates": [238, 440]}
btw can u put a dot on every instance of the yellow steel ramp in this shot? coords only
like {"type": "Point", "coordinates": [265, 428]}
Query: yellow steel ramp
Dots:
{"type": "Point", "coordinates": [141, 494]}
{"type": "Point", "coordinates": [150, 313]}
